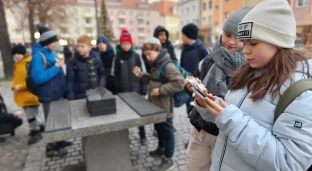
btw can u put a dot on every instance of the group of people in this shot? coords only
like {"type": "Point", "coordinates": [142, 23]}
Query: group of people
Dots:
{"type": "Point", "coordinates": [233, 127]}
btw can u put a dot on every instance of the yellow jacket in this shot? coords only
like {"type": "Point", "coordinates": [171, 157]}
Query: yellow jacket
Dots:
{"type": "Point", "coordinates": [22, 97]}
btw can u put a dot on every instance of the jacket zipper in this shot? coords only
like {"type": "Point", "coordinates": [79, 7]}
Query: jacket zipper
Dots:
{"type": "Point", "coordinates": [225, 144]}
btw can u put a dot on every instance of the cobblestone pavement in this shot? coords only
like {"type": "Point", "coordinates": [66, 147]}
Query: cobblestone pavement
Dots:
{"type": "Point", "coordinates": [16, 155]}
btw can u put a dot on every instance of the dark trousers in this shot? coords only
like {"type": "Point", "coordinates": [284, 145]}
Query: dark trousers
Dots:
{"type": "Point", "coordinates": [166, 137]}
{"type": "Point", "coordinates": [8, 126]}
{"type": "Point", "coordinates": [189, 108]}
{"type": "Point", "coordinates": [142, 132]}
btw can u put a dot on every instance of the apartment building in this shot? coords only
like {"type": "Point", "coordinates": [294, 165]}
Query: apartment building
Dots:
{"type": "Point", "coordinates": [169, 17]}
{"type": "Point", "coordinates": [206, 19]}
{"type": "Point", "coordinates": [303, 14]}
{"type": "Point", "coordinates": [189, 12]}
{"type": "Point", "coordinates": [136, 15]}
{"type": "Point", "coordinates": [222, 9]}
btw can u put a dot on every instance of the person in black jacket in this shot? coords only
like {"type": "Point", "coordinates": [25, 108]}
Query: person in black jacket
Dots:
{"type": "Point", "coordinates": [163, 35]}
{"type": "Point", "coordinates": [123, 64]}
{"type": "Point", "coordinates": [69, 50]}
{"type": "Point", "coordinates": [8, 121]}
{"type": "Point", "coordinates": [77, 69]}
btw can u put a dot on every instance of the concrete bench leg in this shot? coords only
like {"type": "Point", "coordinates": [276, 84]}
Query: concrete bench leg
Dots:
{"type": "Point", "coordinates": [108, 151]}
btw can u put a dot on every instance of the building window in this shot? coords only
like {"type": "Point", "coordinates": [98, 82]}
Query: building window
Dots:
{"type": "Point", "coordinates": [210, 4]}
{"type": "Point", "coordinates": [140, 14]}
{"type": "Point", "coordinates": [209, 19]}
{"type": "Point", "coordinates": [87, 10]}
{"type": "Point", "coordinates": [204, 6]}
{"type": "Point", "coordinates": [301, 3]}
{"type": "Point", "coordinates": [130, 13]}
{"type": "Point", "coordinates": [18, 31]}
{"type": "Point", "coordinates": [226, 14]}
{"type": "Point", "coordinates": [216, 23]}
{"type": "Point", "coordinates": [147, 23]}
{"type": "Point", "coordinates": [227, 0]}
{"type": "Point", "coordinates": [121, 12]}
{"type": "Point", "coordinates": [204, 20]}
{"type": "Point", "coordinates": [130, 22]}
{"type": "Point", "coordinates": [88, 21]}
{"type": "Point", "coordinates": [217, 7]}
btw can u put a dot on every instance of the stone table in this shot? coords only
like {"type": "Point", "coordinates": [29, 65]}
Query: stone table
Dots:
{"type": "Point", "coordinates": [105, 138]}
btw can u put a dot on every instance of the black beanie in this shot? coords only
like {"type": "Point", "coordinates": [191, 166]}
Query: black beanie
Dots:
{"type": "Point", "coordinates": [190, 31]}
{"type": "Point", "coordinates": [47, 36]}
{"type": "Point", "coordinates": [19, 49]}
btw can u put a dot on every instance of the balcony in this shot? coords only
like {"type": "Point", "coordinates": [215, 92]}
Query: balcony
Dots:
{"type": "Point", "coordinates": [87, 15]}
{"type": "Point", "coordinates": [141, 26]}
{"type": "Point", "coordinates": [123, 25]}
{"type": "Point", "coordinates": [121, 16]}
{"type": "Point", "coordinates": [88, 25]}
{"type": "Point", "coordinates": [140, 17]}
{"type": "Point", "coordinates": [141, 34]}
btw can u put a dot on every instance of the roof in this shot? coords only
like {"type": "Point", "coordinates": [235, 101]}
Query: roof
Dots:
{"type": "Point", "coordinates": [164, 7]}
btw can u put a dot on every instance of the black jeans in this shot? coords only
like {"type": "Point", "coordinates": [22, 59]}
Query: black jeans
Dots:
{"type": "Point", "coordinates": [166, 137]}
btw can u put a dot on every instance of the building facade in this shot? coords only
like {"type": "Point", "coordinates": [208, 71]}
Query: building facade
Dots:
{"type": "Point", "coordinates": [303, 14]}
{"type": "Point", "coordinates": [169, 17]}
{"type": "Point", "coordinates": [206, 19]}
{"type": "Point", "coordinates": [189, 12]}
{"type": "Point", "coordinates": [136, 16]}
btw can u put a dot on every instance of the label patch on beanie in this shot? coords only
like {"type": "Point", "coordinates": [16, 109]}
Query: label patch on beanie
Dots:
{"type": "Point", "coordinates": [244, 30]}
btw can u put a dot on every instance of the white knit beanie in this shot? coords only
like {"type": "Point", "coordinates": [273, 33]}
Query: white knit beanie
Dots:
{"type": "Point", "coordinates": [271, 21]}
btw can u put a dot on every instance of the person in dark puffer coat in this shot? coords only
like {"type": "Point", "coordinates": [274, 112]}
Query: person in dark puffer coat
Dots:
{"type": "Point", "coordinates": [126, 59]}
{"type": "Point", "coordinates": [77, 69]}
{"type": "Point", "coordinates": [162, 35]}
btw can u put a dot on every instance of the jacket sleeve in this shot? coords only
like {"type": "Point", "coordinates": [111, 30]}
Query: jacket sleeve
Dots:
{"type": "Point", "coordinates": [288, 147]}
{"type": "Point", "coordinates": [174, 80]}
{"type": "Point", "coordinates": [172, 53]}
{"type": "Point", "coordinates": [101, 73]}
{"type": "Point", "coordinates": [70, 75]}
{"type": "Point", "coordinates": [5, 117]}
{"type": "Point", "coordinates": [146, 78]}
{"type": "Point", "coordinates": [182, 59]}
{"type": "Point", "coordinates": [38, 73]}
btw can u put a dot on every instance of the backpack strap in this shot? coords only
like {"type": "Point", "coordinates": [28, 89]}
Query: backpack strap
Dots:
{"type": "Point", "coordinates": [44, 59]}
{"type": "Point", "coordinates": [290, 94]}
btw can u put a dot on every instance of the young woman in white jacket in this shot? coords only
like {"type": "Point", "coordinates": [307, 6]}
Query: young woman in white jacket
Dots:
{"type": "Point", "coordinates": [248, 138]}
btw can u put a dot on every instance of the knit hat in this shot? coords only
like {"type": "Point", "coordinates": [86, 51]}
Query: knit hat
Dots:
{"type": "Point", "coordinates": [47, 36]}
{"type": "Point", "coordinates": [85, 39]}
{"type": "Point", "coordinates": [271, 21]}
{"type": "Point", "coordinates": [231, 23]}
{"type": "Point", "coordinates": [190, 31]}
{"type": "Point", "coordinates": [19, 49]}
{"type": "Point", "coordinates": [103, 39]}
{"type": "Point", "coordinates": [125, 37]}
{"type": "Point", "coordinates": [152, 44]}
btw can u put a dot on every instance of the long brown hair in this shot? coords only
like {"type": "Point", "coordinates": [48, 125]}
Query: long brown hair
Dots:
{"type": "Point", "coordinates": [273, 75]}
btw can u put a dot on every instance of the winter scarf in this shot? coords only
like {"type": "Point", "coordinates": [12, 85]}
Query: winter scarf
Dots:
{"type": "Point", "coordinates": [225, 62]}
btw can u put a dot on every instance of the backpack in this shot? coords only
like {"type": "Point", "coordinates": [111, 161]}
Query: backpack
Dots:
{"type": "Point", "coordinates": [30, 84]}
{"type": "Point", "coordinates": [181, 97]}
{"type": "Point", "coordinates": [290, 94]}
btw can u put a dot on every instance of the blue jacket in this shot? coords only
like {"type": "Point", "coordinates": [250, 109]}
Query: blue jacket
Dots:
{"type": "Point", "coordinates": [249, 140]}
{"type": "Point", "coordinates": [77, 75]}
{"type": "Point", "coordinates": [190, 57]}
{"type": "Point", "coordinates": [50, 81]}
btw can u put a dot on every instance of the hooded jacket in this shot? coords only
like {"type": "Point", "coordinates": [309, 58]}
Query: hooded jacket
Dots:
{"type": "Point", "coordinates": [107, 56]}
{"type": "Point", "coordinates": [249, 140]}
{"type": "Point", "coordinates": [50, 81]}
{"type": "Point", "coordinates": [167, 45]}
{"type": "Point", "coordinates": [77, 75]}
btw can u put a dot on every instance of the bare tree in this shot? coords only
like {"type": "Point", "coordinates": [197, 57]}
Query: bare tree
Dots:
{"type": "Point", "coordinates": [48, 12]}
{"type": "Point", "coordinates": [5, 44]}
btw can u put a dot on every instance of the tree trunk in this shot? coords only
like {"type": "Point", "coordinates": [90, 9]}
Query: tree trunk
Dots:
{"type": "Point", "coordinates": [31, 25]}
{"type": "Point", "coordinates": [5, 45]}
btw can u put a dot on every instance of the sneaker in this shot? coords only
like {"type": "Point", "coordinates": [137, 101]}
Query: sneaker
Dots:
{"type": "Point", "coordinates": [2, 139]}
{"type": "Point", "coordinates": [166, 165]}
{"type": "Point", "coordinates": [158, 153]}
{"type": "Point", "coordinates": [35, 137]}
{"type": "Point", "coordinates": [41, 128]}
{"type": "Point", "coordinates": [143, 141]}
{"type": "Point", "coordinates": [64, 144]}
{"type": "Point", "coordinates": [57, 153]}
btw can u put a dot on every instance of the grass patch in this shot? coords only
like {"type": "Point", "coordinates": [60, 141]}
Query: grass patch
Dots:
{"type": "Point", "coordinates": [5, 79]}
